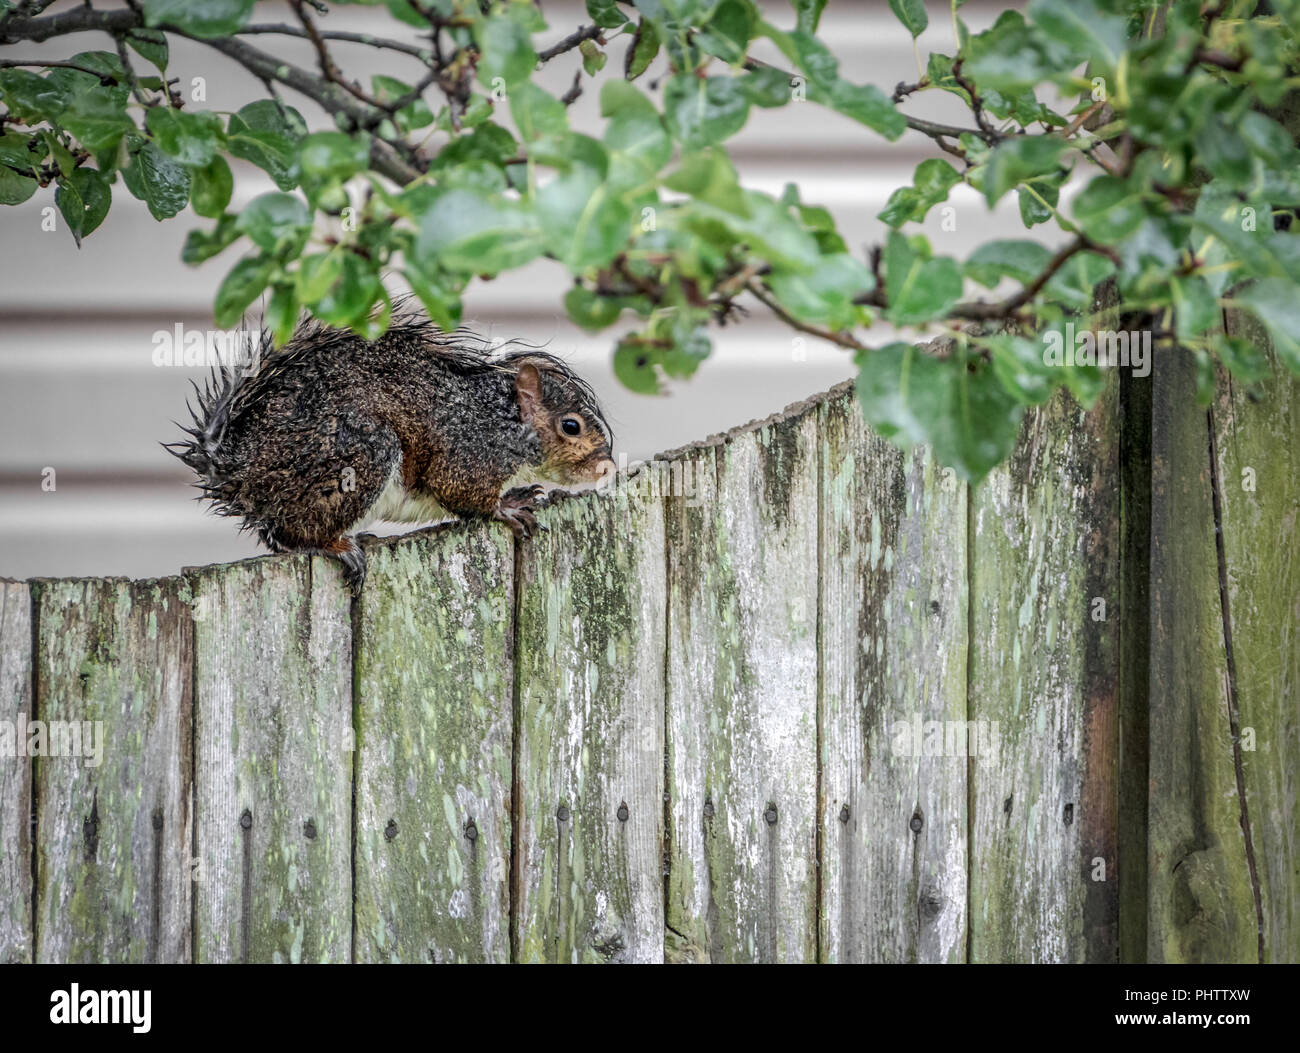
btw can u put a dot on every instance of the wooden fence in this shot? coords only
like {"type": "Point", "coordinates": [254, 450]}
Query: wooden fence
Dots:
{"type": "Point", "coordinates": [718, 713]}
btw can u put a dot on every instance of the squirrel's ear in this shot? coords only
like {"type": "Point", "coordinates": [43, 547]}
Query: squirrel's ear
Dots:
{"type": "Point", "coordinates": [528, 390]}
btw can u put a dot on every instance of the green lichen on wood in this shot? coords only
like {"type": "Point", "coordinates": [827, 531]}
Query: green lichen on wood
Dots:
{"type": "Point", "coordinates": [742, 695]}
{"type": "Point", "coordinates": [589, 649]}
{"type": "Point", "coordinates": [1044, 668]}
{"type": "Point", "coordinates": [1257, 439]}
{"type": "Point", "coordinates": [434, 726]}
{"type": "Point", "coordinates": [15, 774]}
{"type": "Point", "coordinates": [273, 761]}
{"type": "Point", "coordinates": [893, 674]}
{"type": "Point", "coordinates": [113, 840]}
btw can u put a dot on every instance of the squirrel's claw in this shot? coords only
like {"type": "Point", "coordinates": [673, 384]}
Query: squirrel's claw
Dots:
{"type": "Point", "coordinates": [515, 509]}
{"type": "Point", "coordinates": [354, 567]}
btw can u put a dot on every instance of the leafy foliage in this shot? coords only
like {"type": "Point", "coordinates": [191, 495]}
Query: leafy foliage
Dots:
{"type": "Point", "coordinates": [1183, 143]}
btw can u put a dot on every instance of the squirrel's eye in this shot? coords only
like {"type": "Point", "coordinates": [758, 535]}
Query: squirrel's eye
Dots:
{"type": "Point", "coordinates": [571, 426]}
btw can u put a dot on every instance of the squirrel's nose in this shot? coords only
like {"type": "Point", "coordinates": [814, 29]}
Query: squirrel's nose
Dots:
{"type": "Point", "coordinates": [605, 470]}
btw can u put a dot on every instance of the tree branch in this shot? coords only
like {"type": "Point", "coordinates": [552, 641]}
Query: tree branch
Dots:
{"type": "Point", "coordinates": [425, 55]}
{"type": "Point", "coordinates": [572, 41]}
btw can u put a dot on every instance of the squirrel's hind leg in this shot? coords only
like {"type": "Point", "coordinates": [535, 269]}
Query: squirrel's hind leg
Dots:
{"type": "Point", "coordinates": [343, 548]}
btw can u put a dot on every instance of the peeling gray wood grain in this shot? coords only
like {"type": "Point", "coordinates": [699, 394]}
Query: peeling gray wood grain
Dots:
{"type": "Point", "coordinates": [893, 670]}
{"type": "Point", "coordinates": [1200, 905]}
{"type": "Point", "coordinates": [1257, 442]}
{"type": "Point", "coordinates": [742, 694]}
{"type": "Point", "coordinates": [1044, 557]}
{"type": "Point", "coordinates": [15, 774]}
{"type": "Point", "coordinates": [434, 717]}
{"type": "Point", "coordinates": [113, 838]}
{"type": "Point", "coordinates": [273, 762]}
{"type": "Point", "coordinates": [590, 665]}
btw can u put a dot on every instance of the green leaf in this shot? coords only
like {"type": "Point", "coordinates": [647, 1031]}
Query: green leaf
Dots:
{"type": "Point", "coordinates": [1075, 284]}
{"type": "Point", "coordinates": [635, 138]}
{"type": "Point", "coordinates": [584, 224]}
{"type": "Point", "coordinates": [768, 87]}
{"type": "Point", "coordinates": [1020, 160]}
{"type": "Point", "coordinates": [1196, 307]}
{"type": "Point", "coordinates": [1275, 303]}
{"type": "Point", "coordinates": [703, 111]}
{"type": "Point", "coordinates": [912, 14]}
{"type": "Point", "coordinates": [15, 188]}
{"type": "Point", "coordinates": [97, 119]}
{"type": "Point", "coordinates": [281, 316]}
{"type": "Point", "coordinates": [593, 59]}
{"type": "Point", "coordinates": [212, 187]}
{"type": "Point", "coordinates": [959, 407]}
{"type": "Point", "coordinates": [605, 13]}
{"type": "Point", "coordinates": [276, 223]}
{"type": "Point", "coordinates": [709, 176]}
{"type": "Point", "coordinates": [537, 113]}
{"type": "Point", "coordinates": [30, 96]}
{"type": "Point", "coordinates": [151, 45]}
{"type": "Point", "coordinates": [83, 198]}
{"type": "Point", "coordinates": [1089, 32]}
{"type": "Point", "coordinates": [931, 182]}
{"type": "Point", "coordinates": [1022, 261]}
{"type": "Point", "coordinates": [475, 232]}
{"type": "Point", "coordinates": [644, 48]}
{"type": "Point", "coordinates": [1247, 363]}
{"type": "Point", "coordinates": [348, 301]}
{"type": "Point", "coordinates": [199, 18]}
{"type": "Point", "coordinates": [267, 134]}
{"type": "Point", "coordinates": [1014, 56]}
{"type": "Point", "coordinates": [1109, 209]}
{"type": "Point", "coordinates": [191, 138]}
{"type": "Point", "coordinates": [157, 180]}
{"type": "Point", "coordinates": [826, 294]}
{"type": "Point", "coordinates": [808, 13]}
{"type": "Point", "coordinates": [332, 156]}
{"type": "Point", "coordinates": [201, 245]}
{"type": "Point", "coordinates": [728, 31]}
{"type": "Point", "coordinates": [505, 47]}
{"type": "Point", "coordinates": [239, 289]}
{"type": "Point", "coordinates": [414, 114]}
{"type": "Point", "coordinates": [23, 153]}
{"type": "Point", "coordinates": [590, 311]}
{"type": "Point", "coordinates": [634, 365]}
{"type": "Point", "coordinates": [865, 104]}
{"type": "Point", "coordinates": [1019, 366]}
{"type": "Point", "coordinates": [316, 275]}
{"type": "Point", "coordinates": [437, 293]}
{"type": "Point", "coordinates": [917, 287]}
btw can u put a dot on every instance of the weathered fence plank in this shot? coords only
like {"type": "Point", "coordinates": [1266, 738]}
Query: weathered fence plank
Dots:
{"type": "Point", "coordinates": [1045, 605]}
{"type": "Point", "coordinates": [435, 721]}
{"type": "Point", "coordinates": [589, 784]}
{"type": "Point", "coordinates": [1201, 905]}
{"type": "Point", "coordinates": [15, 773]}
{"type": "Point", "coordinates": [1257, 436]}
{"type": "Point", "coordinates": [742, 695]}
{"type": "Point", "coordinates": [113, 838]}
{"type": "Point", "coordinates": [273, 762]}
{"type": "Point", "coordinates": [893, 673]}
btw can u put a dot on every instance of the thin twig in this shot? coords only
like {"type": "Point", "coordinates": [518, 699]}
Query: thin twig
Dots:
{"type": "Point", "coordinates": [842, 339]}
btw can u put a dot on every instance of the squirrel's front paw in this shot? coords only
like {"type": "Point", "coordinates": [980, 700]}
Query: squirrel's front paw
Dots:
{"type": "Point", "coordinates": [515, 509]}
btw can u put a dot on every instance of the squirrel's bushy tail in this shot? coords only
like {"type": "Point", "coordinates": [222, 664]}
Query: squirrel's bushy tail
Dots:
{"type": "Point", "coordinates": [206, 451]}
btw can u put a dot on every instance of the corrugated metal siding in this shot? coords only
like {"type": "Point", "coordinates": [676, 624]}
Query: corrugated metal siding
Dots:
{"type": "Point", "coordinates": [79, 392]}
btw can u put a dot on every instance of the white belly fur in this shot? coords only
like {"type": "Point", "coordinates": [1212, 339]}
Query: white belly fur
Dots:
{"type": "Point", "coordinates": [396, 504]}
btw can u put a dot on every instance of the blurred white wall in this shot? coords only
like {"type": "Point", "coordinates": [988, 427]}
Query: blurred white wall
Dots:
{"type": "Point", "coordinates": [79, 392]}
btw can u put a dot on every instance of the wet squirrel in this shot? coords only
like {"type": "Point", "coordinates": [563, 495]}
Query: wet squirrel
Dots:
{"type": "Point", "coordinates": [332, 431]}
